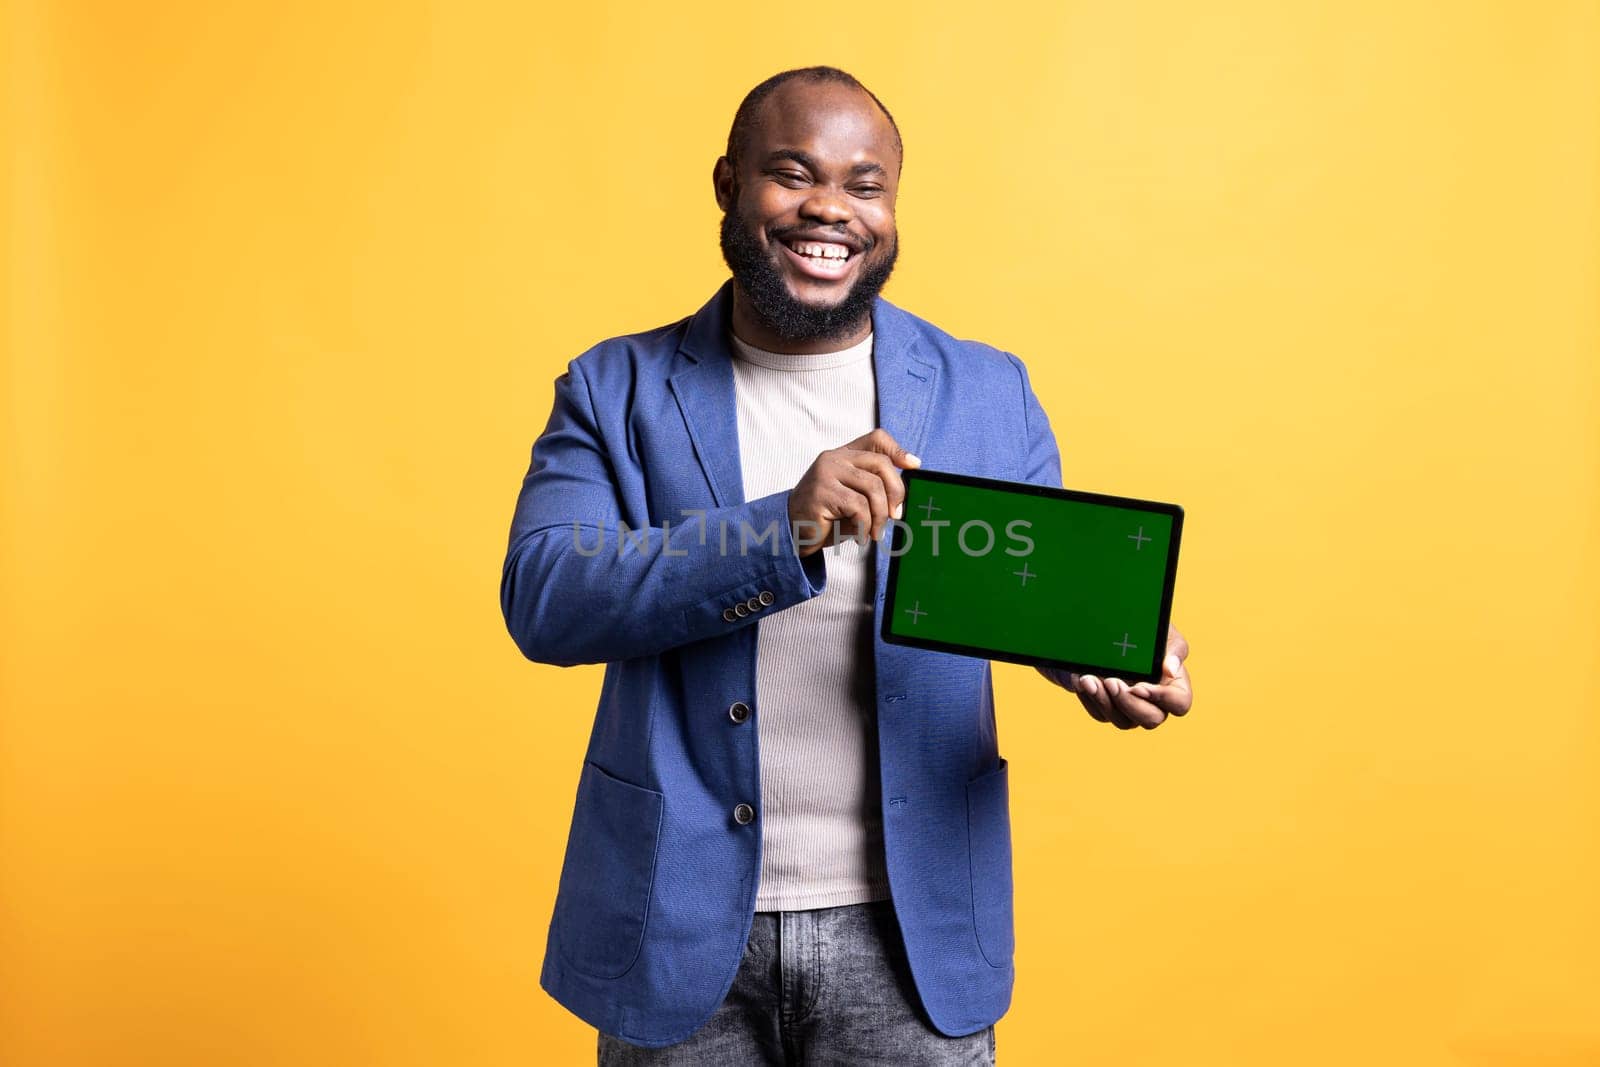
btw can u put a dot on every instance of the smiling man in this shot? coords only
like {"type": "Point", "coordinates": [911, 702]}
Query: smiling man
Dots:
{"type": "Point", "coordinates": [805, 279]}
{"type": "Point", "coordinates": [790, 841]}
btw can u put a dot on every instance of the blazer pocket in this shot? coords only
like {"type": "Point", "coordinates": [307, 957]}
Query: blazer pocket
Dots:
{"type": "Point", "coordinates": [604, 894]}
{"type": "Point", "coordinates": [989, 849]}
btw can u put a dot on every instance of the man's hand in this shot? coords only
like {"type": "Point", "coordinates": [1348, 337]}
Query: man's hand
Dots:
{"type": "Point", "coordinates": [853, 490]}
{"type": "Point", "coordinates": [1142, 704]}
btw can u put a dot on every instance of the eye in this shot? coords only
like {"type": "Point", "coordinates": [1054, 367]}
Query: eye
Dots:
{"type": "Point", "coordinates": [868, 190]}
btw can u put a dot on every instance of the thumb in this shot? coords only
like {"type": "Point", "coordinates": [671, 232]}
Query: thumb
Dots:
{"type": "Point", "coordinates": [879, 440]}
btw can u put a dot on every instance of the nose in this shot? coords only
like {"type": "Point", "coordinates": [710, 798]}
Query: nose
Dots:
{"type": "Point", "coordinates": [827, 205]}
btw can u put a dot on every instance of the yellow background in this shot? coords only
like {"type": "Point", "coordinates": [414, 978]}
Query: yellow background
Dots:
{"type": "Point", "coordinates": [287, 287]}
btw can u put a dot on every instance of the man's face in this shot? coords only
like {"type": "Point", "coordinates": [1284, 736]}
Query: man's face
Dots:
{"type": "Point", "coordinates": [820, 169]}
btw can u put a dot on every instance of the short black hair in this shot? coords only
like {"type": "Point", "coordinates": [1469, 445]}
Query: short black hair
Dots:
{"type": "Point", "coordinates": [744, 118]}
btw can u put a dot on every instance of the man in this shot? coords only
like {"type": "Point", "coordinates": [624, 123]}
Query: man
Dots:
{"type": "Point", "coordinates": [790, 840]}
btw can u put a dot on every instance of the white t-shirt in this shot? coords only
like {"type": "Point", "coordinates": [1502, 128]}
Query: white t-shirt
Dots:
{"type": "Point", "coordinates": [821, 815]}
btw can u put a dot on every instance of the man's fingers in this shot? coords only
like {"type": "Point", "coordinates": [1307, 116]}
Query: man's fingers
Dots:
{"type": "Point", "coordinates": [870, 486]}
{"type": "Point", "coordinates": [1174, 695]}
{"type": "Point", "coordinates": [1098, 699]}
{"type": "Point", "coordinates": [1126, 706]}
{"type": "Point", "coordinates": [882, 466]}
{"type": "Point", "coordinates": [879, 440]}
{"type": "Point", "coordinates": [1171, 699]}
{"type": "Point", "coordinates": [852, 513]}
{"type": "Point", "coordinates": [1090, 705]}
{"type": "Point", "coordinates": [1086, 697]}
{"type": "Point", "coordinates": [1139, 711]}
{"type": "Point", "coordinates": [1108, 711]}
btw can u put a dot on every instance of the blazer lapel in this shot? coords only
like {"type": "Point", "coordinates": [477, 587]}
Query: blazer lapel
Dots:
{"type": "Point", "coordinates": [906, 385]}
{"type": "Point", "coordinates": [703, 386]}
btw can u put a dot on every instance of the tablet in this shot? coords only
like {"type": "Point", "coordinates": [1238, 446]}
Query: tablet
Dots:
{"type": "Point", "coordinates": [1032, 574]}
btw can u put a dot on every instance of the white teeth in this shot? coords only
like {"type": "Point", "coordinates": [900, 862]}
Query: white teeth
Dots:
{"type": "Point", "coordinates": [817, 250]}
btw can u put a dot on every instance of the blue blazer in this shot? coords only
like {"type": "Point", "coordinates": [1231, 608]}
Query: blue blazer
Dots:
{"type": "Point", "coordinates": [625, 550]}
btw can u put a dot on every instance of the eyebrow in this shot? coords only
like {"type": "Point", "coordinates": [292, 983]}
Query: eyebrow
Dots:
{"type": "Point", "coordinates": [806, 161]}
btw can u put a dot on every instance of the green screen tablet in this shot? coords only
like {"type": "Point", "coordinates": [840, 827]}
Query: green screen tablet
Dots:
{"type": "Point", "coordinates": [1032, 574]}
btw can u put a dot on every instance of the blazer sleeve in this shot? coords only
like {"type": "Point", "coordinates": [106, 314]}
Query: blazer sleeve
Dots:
{"type": "Point", "coordinates": [581, 586]}
{"type": "Point", "coordinates": [1041, 465]}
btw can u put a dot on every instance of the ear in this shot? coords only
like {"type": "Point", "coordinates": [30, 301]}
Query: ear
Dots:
{"type": "Point", "coordinates": [723, 185]}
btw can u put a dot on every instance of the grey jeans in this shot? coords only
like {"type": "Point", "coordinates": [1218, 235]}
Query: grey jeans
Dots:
{"type": "Point", "coordinates": [830, 986]}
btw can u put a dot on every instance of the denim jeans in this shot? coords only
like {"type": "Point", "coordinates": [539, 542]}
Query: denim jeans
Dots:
{"type": "Point", "coordinates": [830, 986]}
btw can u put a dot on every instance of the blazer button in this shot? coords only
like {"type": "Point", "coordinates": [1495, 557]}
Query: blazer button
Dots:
{"type": "Point", "coordinates": [743, 814]}
{"type": "Point", "coordinates": [740, 610]}
{"type": "Point", "coordinates": [766, 598]}
{"type": "Point", "coordinates": [728, 615]}
{"type": "Point", "coordinates": [754, 604]}
{"type": "Point", "coordinates": [738, 711]}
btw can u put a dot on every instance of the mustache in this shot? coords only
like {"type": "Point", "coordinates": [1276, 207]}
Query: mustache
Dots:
{"type": "Point", "coordinates": [849, 240]}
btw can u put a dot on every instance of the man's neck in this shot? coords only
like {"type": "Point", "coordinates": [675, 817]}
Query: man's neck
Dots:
{"type": "Point", "coordinates": [749, 328]}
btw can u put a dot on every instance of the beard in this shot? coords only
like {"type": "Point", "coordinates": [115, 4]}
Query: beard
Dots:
{"type": "Point", "coordinates": [778, 309]}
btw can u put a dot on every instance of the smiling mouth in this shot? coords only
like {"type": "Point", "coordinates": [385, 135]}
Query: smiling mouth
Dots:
{"type": "Point", "coordinates": [823, 260]}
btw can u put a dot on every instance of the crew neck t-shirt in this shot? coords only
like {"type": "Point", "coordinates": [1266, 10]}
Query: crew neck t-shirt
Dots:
{"type": "Point", "coordinates": [821, 816]}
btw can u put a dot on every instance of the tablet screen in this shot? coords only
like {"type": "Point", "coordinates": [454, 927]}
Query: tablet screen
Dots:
{"type": "Point", "coordinates": [1032, 574]}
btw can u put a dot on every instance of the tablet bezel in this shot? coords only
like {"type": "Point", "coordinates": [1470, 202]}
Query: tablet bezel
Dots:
{"type": "Point", "coordinates": [1168, 582]}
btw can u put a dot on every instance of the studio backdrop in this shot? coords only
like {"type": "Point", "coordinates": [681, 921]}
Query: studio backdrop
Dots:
{"type": "Point", "coordinates": [287, 288]}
